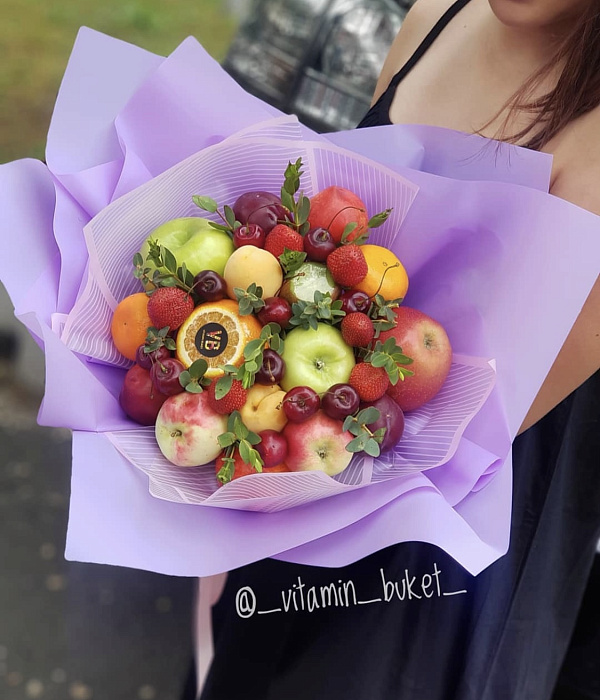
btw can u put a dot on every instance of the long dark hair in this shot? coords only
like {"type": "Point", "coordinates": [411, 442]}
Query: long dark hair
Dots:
{"type": "Point", "coordinates": [576, 92]}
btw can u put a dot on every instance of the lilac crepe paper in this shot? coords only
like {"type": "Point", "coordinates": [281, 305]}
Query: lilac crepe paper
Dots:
{"type": "Point", "coordinates": [123, 525]}
{"type": "Point", "coordinates": [177, 538]}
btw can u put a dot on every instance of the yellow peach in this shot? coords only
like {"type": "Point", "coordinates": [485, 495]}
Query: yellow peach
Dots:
{"type": "Point", "coordinates": [251, 264]}
{"type": "Point", "coordinates": [263, 409]}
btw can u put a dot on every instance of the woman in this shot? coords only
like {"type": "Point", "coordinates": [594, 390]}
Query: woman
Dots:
{"type": "Point", "coordinates": [525, 71]}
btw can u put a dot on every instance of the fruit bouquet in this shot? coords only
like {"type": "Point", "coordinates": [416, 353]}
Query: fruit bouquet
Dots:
{"type": "Point", "coordinates": [138, 164]}
{"type": "Point", "coordinates": [269, 337]}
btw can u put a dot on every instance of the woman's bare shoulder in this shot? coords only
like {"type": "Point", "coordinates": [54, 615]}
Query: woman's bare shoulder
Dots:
{"type": "Point", "coordinates": [419, 20]}
{"type": "Point", "coordinates": [577, 162]}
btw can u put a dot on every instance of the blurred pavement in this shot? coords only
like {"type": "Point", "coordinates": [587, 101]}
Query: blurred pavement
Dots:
{"type": "Point", "coordinates": [71, 631]}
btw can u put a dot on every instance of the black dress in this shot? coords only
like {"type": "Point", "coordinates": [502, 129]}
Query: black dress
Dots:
{"type": "Point", "coordinates": [504, 633]}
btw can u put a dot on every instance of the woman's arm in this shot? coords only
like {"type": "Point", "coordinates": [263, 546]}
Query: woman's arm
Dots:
{"type": "Point", "coordinates": [578, 181]}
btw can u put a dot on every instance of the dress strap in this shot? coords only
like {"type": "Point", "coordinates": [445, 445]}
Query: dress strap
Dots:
{"type": "Point", "coordinates": [433, 34]}
{"type": "Point", "coordinates": [378, 114]}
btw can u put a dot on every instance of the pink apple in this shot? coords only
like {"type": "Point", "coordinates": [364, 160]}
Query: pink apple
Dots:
{"type": "Point", "coordinates": [318, 444]}
{"type": "Point", "coordinates": [426, 342]}
{"type": "Point", "coordinates": [187, 430]}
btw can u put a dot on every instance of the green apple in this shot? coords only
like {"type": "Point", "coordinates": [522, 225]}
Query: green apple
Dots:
{"type": "Point", "coordinates": [193, 241]}
{"type": "Point", "coordinates": [318, 358]}
{"type": "Point", "coordinates": [309, 278]}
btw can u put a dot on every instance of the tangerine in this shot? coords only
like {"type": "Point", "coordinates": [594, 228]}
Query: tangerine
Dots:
{"type": "Point", "coordinates": [130, 323]}
{"type": "Point", "coordinates": [216, 332]}
{"type": "Point", "coordinates": [385, 275]}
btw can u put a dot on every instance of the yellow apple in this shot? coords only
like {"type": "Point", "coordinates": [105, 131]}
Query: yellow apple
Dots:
{"type": "Point", "coordinates": [263, 409]}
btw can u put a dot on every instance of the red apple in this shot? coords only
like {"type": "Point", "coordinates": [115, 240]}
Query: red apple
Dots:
{"type": "Point", "coordinates": [187, 429]}
{"type": "Point", "coordinates": [138, 398]}
{"type": "Point", "coordinates": [424, 340]}
{"type": "Point", "coordinates": [317, 444]}
{"type": "Point", "coordinates": [334, 208]}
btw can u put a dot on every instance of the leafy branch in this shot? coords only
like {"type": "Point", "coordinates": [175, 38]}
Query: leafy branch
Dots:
{"type": "Point", "coordinates": [374, 222]}
{"type": "Point", "coordinates": [382, 314]}
{"type": "Point", "coordinates": [239, 438]}
{"type": "Point", "coordinates": [156, 339]}
{"type": "Point", "coordinates": [208, 204]}
{"type": "Point", "coordinates": [365, 440]}
{"type": "Point", "coordinates": [299, 207]}
{"type": "Point", "coordinates": [291, 261]}
{"type": "Point", "coordinates": [167, 273]}
{"type": "Point", "coordinates": [192, 379]}
{"type": "Point", "coordinates": [307, 314]}
{"type": "Point", "coordinates": [253, 359]}
{"type": "Point", "coordinates": [390, 356]}
{"type": "Point", "coordinates": [249, 300]}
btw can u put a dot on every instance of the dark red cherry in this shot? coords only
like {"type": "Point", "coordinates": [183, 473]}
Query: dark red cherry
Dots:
{"type": "Point", "coordinates": [249, 234]}
{"type": "Point", "coordinates": [210, 286]}
{"type": "Point", "coordinates": [355, 301]}
{"type": "Point", "coordinates": [318, 244]}
{"type": "Point", "coordinates": [300, 403]}
{"type": "Point", "coordinates": [165, 376]}
{"type": "Point", "coordinates": [340, 400]}
{"type": "Point", "coordinates": [147, 359]}
{"type": "Point", "coordinates": [276, 310]}
{"type": "Point", "coordinates": [272, 368]}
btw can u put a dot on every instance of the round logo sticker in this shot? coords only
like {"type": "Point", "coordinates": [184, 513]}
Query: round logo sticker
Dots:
{"type": "Point", "coordinates": [211, 339]}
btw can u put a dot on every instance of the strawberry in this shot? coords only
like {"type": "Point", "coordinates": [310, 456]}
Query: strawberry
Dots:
{"type": "Point", "coordinates": [347, 265]}
{"type": "Point", "coordinates": [370, 382]}
{"type": "Point", "coordinates": [233, 400]}
{"type": "Point", "coordinates": [169, 306]}
{"type": "Point", "coordinates": [357, 329]}
{"type": "Point", "coordinates": [282, 237]}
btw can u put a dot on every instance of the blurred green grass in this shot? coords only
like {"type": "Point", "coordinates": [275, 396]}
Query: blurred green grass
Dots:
{"type": "Point", "coordinates": [36, 37]}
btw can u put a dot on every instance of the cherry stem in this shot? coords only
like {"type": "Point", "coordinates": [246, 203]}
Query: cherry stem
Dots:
{"type": "Point", "coordinates": [342, 210]}
{"type": "Point", "coordinates": [391, 267]}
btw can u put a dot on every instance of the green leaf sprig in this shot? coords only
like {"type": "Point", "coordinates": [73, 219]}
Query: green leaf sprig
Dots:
{"type": "Point", "coordinates": [239, 438]}
{"type": "Point", "coordinates": [253, 359]}
{"type": "Point", "coordinates": [390, 356]}
{"type": "Point", "coordinates": [298, 207]}
{"type": "Point", "coordinates": [156, 339]}
{"type": "Point", "coordinates": [365, 440]}
{"type": "Point", "coordinates": [166, 274]}
{"type": "Point", "coordinates": [374, 222]}
{"type": "Point", "coordinates": [192, 379]}
{"type": "Point", "coordinates": [291, 261]}
{"type": "Point", "coordinates": [249, 300]}
{"type": "Point", "coordinates": [307, 314]}
{"type": "Point", "coordinates": [208, 204]}
{"type": "Point", "coordinates": [382, 314]}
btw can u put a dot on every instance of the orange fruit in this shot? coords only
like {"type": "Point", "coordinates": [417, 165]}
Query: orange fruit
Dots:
{"type": "Point", "coordinates": [216, 332]}
{"type": "Point", "coordinates": [130, 323]}
{"type": "Point", "coordinates": [385, 275]}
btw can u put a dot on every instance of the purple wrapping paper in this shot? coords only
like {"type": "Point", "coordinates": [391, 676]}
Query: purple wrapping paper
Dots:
{"type": "Point", "coordinates": [498, 256]}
